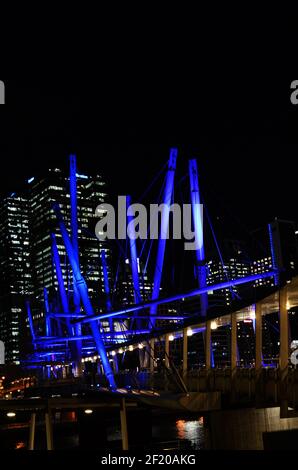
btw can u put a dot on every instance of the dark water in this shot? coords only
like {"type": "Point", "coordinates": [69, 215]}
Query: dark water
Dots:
{"type": "Point", "coordinates": [167, 432]}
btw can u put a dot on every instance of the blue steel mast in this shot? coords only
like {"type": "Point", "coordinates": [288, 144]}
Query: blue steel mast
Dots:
{"type": "Point", "coordinates": [75, 244]}
{"type": "Point", "coordinates": [133, 258]}
{"type": "Point", "coordinates": [198, 227]}
{"type": "Point", "coordinates": [62, 290]}
{"type": "Point", "coordinates": [47, 310]}
{"type": "Point", "coordinates": [83, 291]}
{"type": "Point", "coordinates": [106, 285]}
{"type": "Point", "coordinates": [167, 198]}
{"type": "Point", "coordinates": [31, 325]}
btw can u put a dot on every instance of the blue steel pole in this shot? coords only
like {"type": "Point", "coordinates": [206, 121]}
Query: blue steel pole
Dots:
{"type": "Point", "coordinates": [106, 285]}
{"type": "Point", "coordinates": [75, 244]}
{"type": "Point", "coordinates": [108, 298]}
{"type": "Point", "coordinates": [61, 286]}
{"type": "Point", "coordinates": [199, 234]}
{"type": "Point", "coordinates": [175, 298]}
{"type": "Point", "coordinates": [197, 215]}
{"type": "Point", "coordinates": [273, 255]}
{"type": "Point", "coordinates": [83, 291]}
{"type": "Point", "coordinates": [31, 325]}
{"type": "Point", "coordinates": [133, 257]}
{"type": "Point", "coordinates": [167, 198]}
{"type": "Point", "coordinates": [48, 318]}
{"type": "Point", "coordinates": [47, 309]}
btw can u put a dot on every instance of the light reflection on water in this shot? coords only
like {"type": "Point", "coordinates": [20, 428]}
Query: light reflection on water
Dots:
{"type": "Point", "coordinates": [165, 429]}
{"type": "Point", "coordinates": [188, 430]}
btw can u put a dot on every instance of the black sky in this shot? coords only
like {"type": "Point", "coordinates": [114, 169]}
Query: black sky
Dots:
{"type": "Point", "coordinates": [242, 129]}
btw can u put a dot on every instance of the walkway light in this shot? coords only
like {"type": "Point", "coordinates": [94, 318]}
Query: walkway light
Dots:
{"type": "Point", "coordinates": [171, 338]}
{"type": "Point", "coordinates": [113, 353]}
{"type": "Point", "coordinates": [10, 414]}
{"type": "Point", "coordinates": [214, 325]}
{"type": "Point", "coordinates": [130, 348]}
{"type": "Point", "coordinates": [88, 412]}
{"type": "Point", "coordinates": [189, 332]}
{"type": "Point", "coordinates": [141, 346]}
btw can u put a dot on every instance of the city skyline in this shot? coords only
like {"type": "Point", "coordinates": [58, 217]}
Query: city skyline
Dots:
{"type": "Point", "coordinates": [136, 329]}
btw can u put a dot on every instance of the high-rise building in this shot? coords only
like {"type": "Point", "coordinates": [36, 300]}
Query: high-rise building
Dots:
{"type": "Point", "coordinates": [217, 273]}
{"type": "Point", "coordinates": [284, 247]}
{"type": "Point", "coordinates": [275, 246]}
{"type": "Point", "coordinates": [15, 272]}
{"type": "Point", "coordinates": [43, 192]}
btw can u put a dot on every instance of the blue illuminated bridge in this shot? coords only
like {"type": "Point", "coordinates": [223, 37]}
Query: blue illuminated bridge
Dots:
{"type": "Point", "coordinates": [161, 351]}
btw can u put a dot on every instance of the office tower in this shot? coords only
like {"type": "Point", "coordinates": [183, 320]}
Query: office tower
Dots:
{"type": "Point", "coordinates": [15, 272]}
{"type": "Point", "coordinates": [124, 293]}
{"type": "Point", "coordinates": [217, 273]}
{"type": "Point", "coordinates": [284, 247]}
{"type": "Point", "coordinates": [275, 246]}
{"type": "Point", "coordinates": [43, 191]}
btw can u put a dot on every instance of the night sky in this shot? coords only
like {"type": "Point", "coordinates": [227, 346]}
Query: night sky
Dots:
{"type": "Point", "coordinates": [241, 130]}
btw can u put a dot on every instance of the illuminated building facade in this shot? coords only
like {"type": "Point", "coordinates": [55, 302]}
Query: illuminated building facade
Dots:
{"type": "Point", "coordinates": [15, 272]}
{"type": "Point", "coordinates": [43, 193]}
{"type": "Point", "coordinates": [232, 269]}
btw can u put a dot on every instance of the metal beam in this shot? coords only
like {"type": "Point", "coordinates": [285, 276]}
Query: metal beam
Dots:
{"type": "Point", "coordinates": [75, 244]}
{"type": "Point", "coordinates": [199, 234]}
{"type": "Point", "coordinates": [47, 308]}
{"type": "Point", "coordinates": [106, 285]}
{"type": "Point", "coordinates": [133, 256]}
{"type": "Point", "coordinates": [143, 317]}
{"type": "Point", "coordinates": [30, 319]}
{"type": "Point", "coordinates": [167, 199]}
{"type": "Point", "coordinates": [174, 298]}
{"type": "Point", "coordinates": [61, 286]}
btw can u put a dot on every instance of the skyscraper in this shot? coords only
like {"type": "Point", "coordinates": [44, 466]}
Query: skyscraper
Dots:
{"type": "Point", "coordinates": [15, 272]}
{"type": "Point", "coordinates": [43, 192]}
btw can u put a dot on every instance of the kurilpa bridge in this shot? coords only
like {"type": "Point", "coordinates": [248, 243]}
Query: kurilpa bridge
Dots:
{"type": "Point", "coordinates": [80, 338]}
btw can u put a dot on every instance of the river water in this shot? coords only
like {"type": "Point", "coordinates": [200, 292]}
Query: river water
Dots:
{"type": "Point", "coordinates": [167, 432]}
